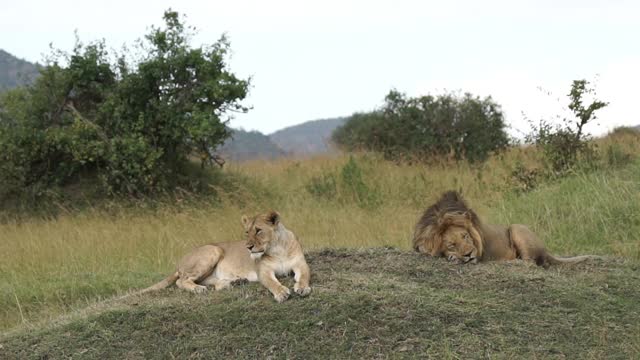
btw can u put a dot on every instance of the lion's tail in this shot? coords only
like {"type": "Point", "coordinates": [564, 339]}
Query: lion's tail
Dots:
{"type": "Point", "coordinates": [168, 281]}
{"type": "Point", "coordinates": [554, 260]}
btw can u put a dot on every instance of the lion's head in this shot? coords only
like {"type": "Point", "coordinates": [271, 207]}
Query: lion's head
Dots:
{"type": "Point", "coordinates": [261, 231]}
{"type": "Point", "coordinates": [460, 241]}
{"type": "Point", "coordinates": [451, 229]}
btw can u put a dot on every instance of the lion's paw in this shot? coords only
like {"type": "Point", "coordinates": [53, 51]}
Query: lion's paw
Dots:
{"type": "Point", "coordinates": [282, 294]}
{"type": "Point", "coordinates": [454, 260]}
{"type": "Point", "coordinates": [304, 291]}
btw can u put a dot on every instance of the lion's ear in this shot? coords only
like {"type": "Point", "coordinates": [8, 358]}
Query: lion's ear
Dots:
{"type": "Point", "coordinates": [245, 222]}
{"type": "Point", "coordinates": [273, 217]}
{"type": "Point", "coordinates": [443, 222]}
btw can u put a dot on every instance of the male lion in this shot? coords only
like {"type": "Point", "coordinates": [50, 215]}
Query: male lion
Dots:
{"type": "Point", "coordinates": [270, 250]}
{"type": "Point", "coordinates": [449, 228]}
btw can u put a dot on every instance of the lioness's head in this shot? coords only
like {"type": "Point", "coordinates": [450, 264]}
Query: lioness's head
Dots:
{"type": "Point", "coordinates": [260, 231]}
{"type": "Point", "coordinates": [459, 246]}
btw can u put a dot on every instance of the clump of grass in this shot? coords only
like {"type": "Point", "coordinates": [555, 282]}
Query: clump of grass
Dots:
{"type": "Point", "coordinates": [350, 188]}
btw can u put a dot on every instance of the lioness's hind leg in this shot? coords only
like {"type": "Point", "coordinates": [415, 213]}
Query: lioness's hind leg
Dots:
{"type": "Point", "coordinates": [196, 266]}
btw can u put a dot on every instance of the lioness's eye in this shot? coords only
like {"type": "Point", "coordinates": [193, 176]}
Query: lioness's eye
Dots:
{"type": "Point", "coordinates": [258, 231]}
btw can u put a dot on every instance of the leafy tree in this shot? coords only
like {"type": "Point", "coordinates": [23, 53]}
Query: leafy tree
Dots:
{"type": "Point", "coordinates": [134, 124]}
{"type": "Point", "coordinates": [564, 144]}
{"type": "Point", "coordinates": [424, 127]}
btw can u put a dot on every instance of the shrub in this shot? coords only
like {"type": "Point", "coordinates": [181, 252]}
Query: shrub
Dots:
{"type": "Point", "coordinates": [349, 187]}
{"type": "Point", "coordinates": [132, 124]}
{"type": "Point", "coordinates": [324, 186]}
{"type": "Point", "coordinates": [355, 187]}
{"type": "Point", "coordinates": [566, 145]}
{"type": "Point", "coordinates": [524, 179]}
{"type": "Point", "coordinates": [421, 128]}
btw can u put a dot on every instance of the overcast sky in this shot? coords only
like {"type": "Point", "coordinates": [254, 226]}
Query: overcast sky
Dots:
{"type": "Point", "coordinates": [332, 58]}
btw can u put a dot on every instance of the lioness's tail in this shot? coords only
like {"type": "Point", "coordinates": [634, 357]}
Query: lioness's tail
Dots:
{"type": "Point", "coordinates": [554, 260]}
{"type": "Point", "coordinates": [168, 281]}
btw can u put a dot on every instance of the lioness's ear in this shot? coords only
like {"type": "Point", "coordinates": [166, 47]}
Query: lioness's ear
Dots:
{"type": "Point", "coordinates": [245, 221]}
{"type": "Point", "coordinates": [273, 217]}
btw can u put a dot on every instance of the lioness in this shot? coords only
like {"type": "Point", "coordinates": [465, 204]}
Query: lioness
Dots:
{"type": "Point", "coordinates": [449, 228]}
{"type": "Point", "coordinates": [270, 250]}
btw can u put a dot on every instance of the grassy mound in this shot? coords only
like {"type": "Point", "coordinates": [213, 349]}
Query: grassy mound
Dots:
{"type": "Point", "coordinates": [368, 304]}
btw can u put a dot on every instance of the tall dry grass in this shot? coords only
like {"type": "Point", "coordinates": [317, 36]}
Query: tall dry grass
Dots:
{"type": "Point", "coordinates": [48, 267]}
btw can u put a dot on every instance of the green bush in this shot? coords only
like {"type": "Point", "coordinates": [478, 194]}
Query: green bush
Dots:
{"type": "Point", "coordinates": [566, 146]}
{"type": "Point", "coordinates": [355, 188]}
{"type": "Point", "coordinates": [349, 187]}
{"type": "Point", "coordinates": [524, 179]}
{"type": "Point", "coordinates": [324, 186]}
{"type": "Point", "coordinates": [131, 124]}
{"type": "Point", "coordinates": [420, 128]}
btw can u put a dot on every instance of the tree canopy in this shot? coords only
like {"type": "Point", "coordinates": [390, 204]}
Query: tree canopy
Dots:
{"type": "Point", "coordinates": [427, 126]}
{"type": "Point", "coordinates": [132, 123]}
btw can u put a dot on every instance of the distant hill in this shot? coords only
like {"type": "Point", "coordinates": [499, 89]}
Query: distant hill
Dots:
{"type": "Point", "coordinates": [309, 138]}
{"type": "Point", "coordinates": [15, 72]}
{"type": "Point", "coordinates": [248, 145]}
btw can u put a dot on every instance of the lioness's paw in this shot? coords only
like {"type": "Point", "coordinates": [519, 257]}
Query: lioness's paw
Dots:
{"type": "Point", "coordinates": [282, 294]}
{"type": "Point", "coordinates": [304, 291]}
{"type": "Point", "coordinates": [199, 289]}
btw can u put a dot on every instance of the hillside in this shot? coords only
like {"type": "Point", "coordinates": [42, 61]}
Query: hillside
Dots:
{"type": "Point", "coordinates": [375, 303]}
{"type": "Point", "coordinates": [309, 138]}
{"type": "Point", "coordinates": [249, 145]}
{"type": "Point", "coordinates": [14, 71]}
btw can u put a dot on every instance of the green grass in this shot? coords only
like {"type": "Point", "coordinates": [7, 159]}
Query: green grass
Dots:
{"type": "Point", "coordinates": [59, 273]}
{"type": "Point", "coordinates": [597, 212]}
{"type": "Point", "coordinates": [376, 303]}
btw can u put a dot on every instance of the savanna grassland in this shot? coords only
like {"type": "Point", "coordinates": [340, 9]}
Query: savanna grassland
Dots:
{"type": "Point", "coordinates": [60, 274]}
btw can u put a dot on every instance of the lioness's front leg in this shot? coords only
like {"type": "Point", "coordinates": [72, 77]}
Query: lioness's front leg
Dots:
{"type": "Point", "coordinates": [268, 279]}
{"type": "Point", "coordinates": [302, 276]}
